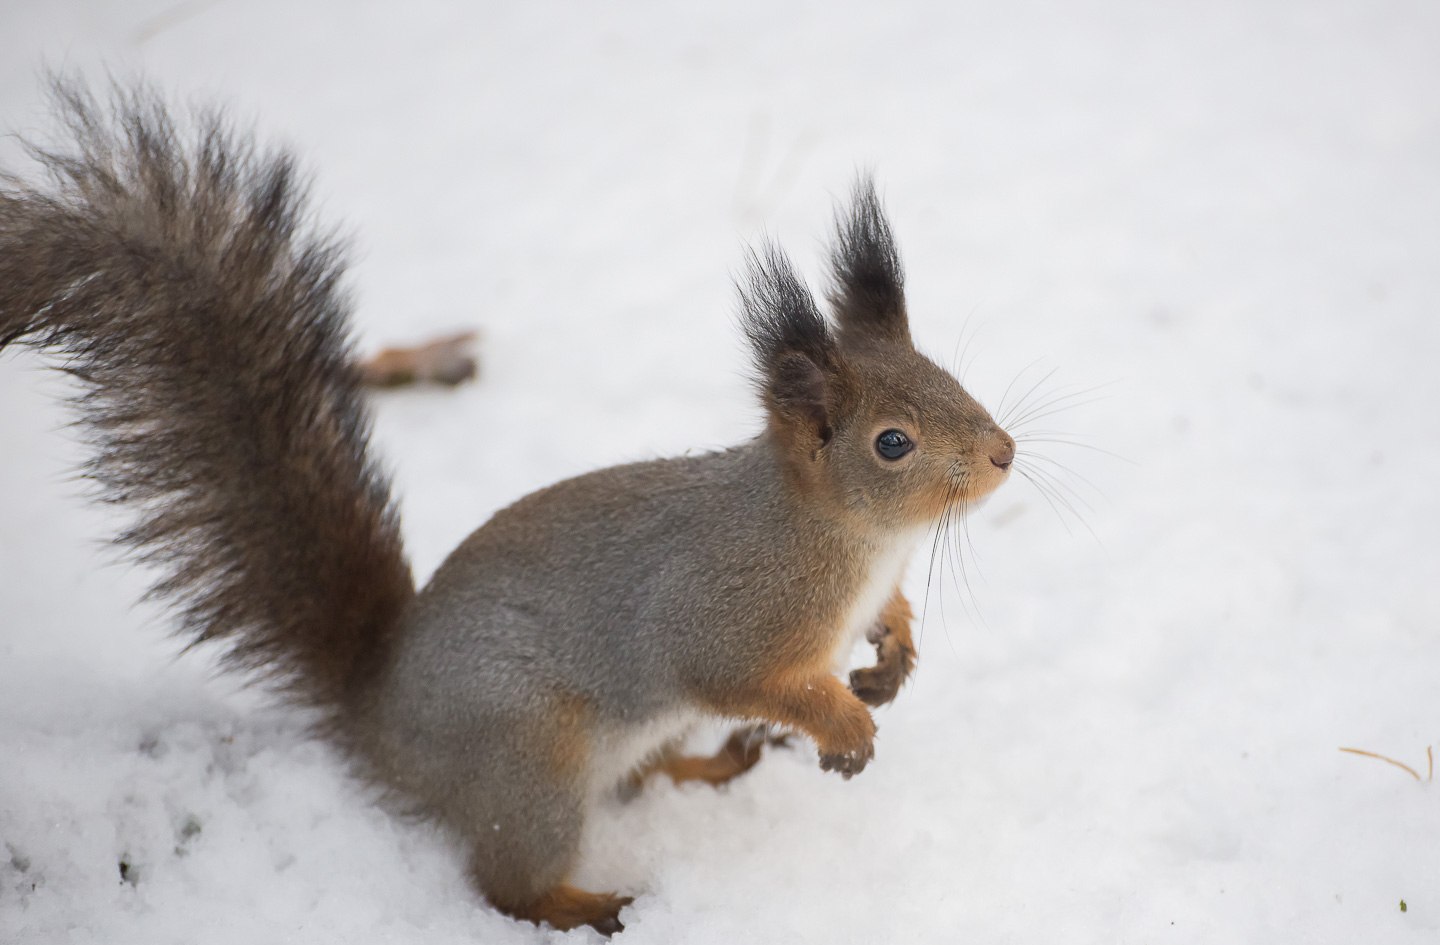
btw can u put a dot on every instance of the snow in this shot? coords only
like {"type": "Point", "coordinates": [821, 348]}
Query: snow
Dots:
{"type": "Point", "coordinates": [1222, 215]}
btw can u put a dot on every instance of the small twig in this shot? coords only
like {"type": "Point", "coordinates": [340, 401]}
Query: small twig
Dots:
{"type": "Point", "coordinates": [1413, 773]}
{"type": "Point", "coordinates": [447, 360]}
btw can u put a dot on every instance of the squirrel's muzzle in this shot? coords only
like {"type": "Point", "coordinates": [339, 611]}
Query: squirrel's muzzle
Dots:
{"type": "Point", "coordinates": [1002, 454]}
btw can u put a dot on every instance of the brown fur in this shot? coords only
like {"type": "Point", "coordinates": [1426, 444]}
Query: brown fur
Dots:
{"type": "Point", "coordinates": [564, 733]}
{"type": "Point", "coordinates": [815, 702]}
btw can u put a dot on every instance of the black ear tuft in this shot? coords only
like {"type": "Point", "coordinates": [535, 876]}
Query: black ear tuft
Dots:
{"type": "Point", "coordinates": [867, 290]}
{"type": "Point", "coordinates": [794, 349]}
{"type": "Point", "coordinates": [778, 313]}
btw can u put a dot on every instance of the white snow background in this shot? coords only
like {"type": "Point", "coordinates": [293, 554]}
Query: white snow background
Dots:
{"type": "Point", "coordinates": [1225, 216]}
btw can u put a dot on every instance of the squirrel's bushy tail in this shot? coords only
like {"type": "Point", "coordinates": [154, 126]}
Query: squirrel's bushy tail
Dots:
{"type": "Point", "coordinates": [174, 276]}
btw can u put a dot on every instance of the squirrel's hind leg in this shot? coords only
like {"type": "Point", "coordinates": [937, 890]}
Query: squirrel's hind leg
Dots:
{"type": "Point", "coordinates": [519, 866]}
{"type": "Point", "coordinates": [739, 754]}
{"type": "Point", "coordinates": [521, 803]}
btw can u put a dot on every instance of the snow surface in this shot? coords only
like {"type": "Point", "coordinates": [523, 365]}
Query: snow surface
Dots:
{"type": "Point", "coordinates": [1224, 212]}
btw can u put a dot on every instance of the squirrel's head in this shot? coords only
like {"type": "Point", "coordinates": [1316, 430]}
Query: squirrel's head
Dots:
{"type": "Point", "coordinates": [857, 414]}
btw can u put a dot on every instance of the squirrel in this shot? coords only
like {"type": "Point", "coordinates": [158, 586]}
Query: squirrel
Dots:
{"type": "Point", "coordinates": [570, 642]}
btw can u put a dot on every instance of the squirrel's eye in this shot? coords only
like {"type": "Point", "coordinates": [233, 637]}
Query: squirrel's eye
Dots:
{"type": "Point", "coordinates": [892, 444]}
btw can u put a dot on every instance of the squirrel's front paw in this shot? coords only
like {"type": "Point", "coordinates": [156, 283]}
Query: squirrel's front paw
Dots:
{"type": "Point", "coordinates": [877, 685]}
{"type": "Point", "coordinates": [849, 743]}
{"type": "Point", "coordinates": [850, 763]}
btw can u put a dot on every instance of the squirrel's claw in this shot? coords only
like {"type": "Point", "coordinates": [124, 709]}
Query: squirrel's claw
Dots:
{"type": "Point", "coordinates": [608, 925]}
{"type": "Point", "coordinates": [849, 763]}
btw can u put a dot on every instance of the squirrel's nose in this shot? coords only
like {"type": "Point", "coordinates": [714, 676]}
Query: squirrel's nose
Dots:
{"type": "Point", "coordinates": [1004, 454]}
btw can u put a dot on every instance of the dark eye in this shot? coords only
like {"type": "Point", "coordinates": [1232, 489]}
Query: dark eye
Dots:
{"type": "Point", "coordinates": [892, 444]}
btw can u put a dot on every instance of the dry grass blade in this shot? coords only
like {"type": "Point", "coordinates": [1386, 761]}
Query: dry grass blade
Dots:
{"type": "Point", "coordinates": [1399, 764]}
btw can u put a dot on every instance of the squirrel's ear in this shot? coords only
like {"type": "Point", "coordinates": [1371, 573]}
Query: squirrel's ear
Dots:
{"type": "Point", "coordinates": [867, 288]}
{"type": "Point", "coordinates": [796, 359]}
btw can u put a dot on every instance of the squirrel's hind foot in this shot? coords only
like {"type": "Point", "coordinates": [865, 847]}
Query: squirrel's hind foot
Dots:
{"type": "Point", "coordinates": [565, 907]}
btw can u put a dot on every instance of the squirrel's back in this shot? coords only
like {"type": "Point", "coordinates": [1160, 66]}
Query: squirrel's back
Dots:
{"type": "Point", "coordinates": [610, 582]}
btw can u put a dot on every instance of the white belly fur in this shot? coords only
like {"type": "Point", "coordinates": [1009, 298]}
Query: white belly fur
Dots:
{"type": "Point", "coordinates": [619, 752]}
{"type": "Point", "coordinates": [886, 572]}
